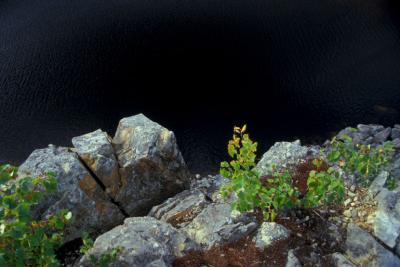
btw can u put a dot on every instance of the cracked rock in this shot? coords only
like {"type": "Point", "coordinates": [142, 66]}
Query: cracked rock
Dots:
{"type": "Point", "coordinates": [97, 153]}
{"type": "Point", "coordinates": [77, 191]}
{"type": "Point", "coordinates": [152, 168]}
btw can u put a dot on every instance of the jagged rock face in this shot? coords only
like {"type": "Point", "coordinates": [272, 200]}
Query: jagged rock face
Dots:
{"type": "Point", "coordinates": [77, 191]}
{"type": "Point", "coordinates": [97, 153]}
{"type": "Point", "coordinates": [203, 215]}
{"type": "Point", "coordinates": [151, 165]}
{"type": "Point", "coordinates": [182, 208]}
{"type": "Point", "coordinates": [363, 250]}
{"type": "Point", "coordinates": [145, 241]}
{"type": "Point", "coordinates": [282, 154]}
{"type": "Point", "coordinates": [367, 134]}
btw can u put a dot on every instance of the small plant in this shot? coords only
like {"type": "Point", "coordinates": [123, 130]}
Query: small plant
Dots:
{"type": "Point", "coordinates": [245, 180]}
{"type": "Point", "coordinates": [323, 187]}
{"type": "Point", "coordinates": [25, 241]}
{"type": "Point", "coordinates": [105, 259]}
{"type": "Point", "coordinates": [363, 160]}
{"type": "Point", "coordinates": [87, 243]}
{"type": "Point", "coordinates": [281, 192]}
{"type": "Point", "coordinates": [277, 192]}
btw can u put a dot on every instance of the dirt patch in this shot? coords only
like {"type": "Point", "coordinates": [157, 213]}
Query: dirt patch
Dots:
{"type": "Point", "coordinates": [242, 253]}
{"type": "Point", "coordinates": [309, 240]}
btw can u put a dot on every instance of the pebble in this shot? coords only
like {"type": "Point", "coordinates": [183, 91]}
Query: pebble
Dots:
{"type": "Point", "coordinates": [347, 201]}
{"type": "Point", "coordinates": [347, 214]}
{"type": "Point", "coordinates": [354, 214]}
{"type": "Point", "coordinates": [350, 194]}
{"type": "Point", "coordinates": [352, 204]}
{"type": "Point", "coordinates": [353, 188]}
{"type": "Point", "coordinates": [198, 176]}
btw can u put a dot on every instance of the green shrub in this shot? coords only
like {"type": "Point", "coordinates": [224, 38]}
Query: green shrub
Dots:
{"type": "Point", "coordinates": [277, 192]}
{"type": "Point", "coordinates": [25, 241]}
{"type": "Point", "coordinates": [362, 160]}
{"type": "Point", "coordinates": [245, 180]}
{"type": "Point", "coordinates": [323, 187]}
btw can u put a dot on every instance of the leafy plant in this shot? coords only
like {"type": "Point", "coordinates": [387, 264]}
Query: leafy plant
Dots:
{"type": "Point", "coordinates": [105, 259]}
{"type": "Point", "coordinates": [25, 241]}
{"type": "Point", "coordinates": [323, 187]}
{"type": "Point", "coordinates": [277, 192]}
{"type": "Point", "coordinates": [87, 243]}
{"type": "Point", "coordinates": [363, 160]}
{"type": "Point", "coordinates": [245, 180]}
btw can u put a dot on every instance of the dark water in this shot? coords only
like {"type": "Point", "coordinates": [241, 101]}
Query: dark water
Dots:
{"type": "Point", "coordinates": [289, 68]}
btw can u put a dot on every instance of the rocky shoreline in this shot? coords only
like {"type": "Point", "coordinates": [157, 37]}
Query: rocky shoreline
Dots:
{"type": "Point", "coordinates": [135, 191]}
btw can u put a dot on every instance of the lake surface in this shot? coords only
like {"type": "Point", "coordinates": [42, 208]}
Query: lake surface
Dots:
{"type": "Point", "coordinates": [287, 68]}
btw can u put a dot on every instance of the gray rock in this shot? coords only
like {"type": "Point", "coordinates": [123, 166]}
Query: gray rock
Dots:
{"type": "Point", "coordinates": [378, 183]}
{"type": "Point", "coordinates": [370, 129]}
{"type": "Point", "coordinates": [358, 136]}
{"type": "Point", "coordinates": [292, 260]}
{"type": "Point", "coordinates": [268, 233]}
{"type": "Point", "coordinates": [185, 206]}
{"type": "Point", "coordinates": [396, 142]}
{"type": "Point", "coordinates": [363, 250]}
{"type": "Point", "coordinates": [210, 186]}
{"type": "Point", "coordinates": [217, 224]}
{"type": "Point", "coordinates": [180, 209]}
{"type": "Point", "coordinates": [395, 133]}
{"type": "Point", "coordinates": [281, 154]}
{"type": "Point", "coordinates": [151, 165]}
{"type": "Point", "coordinates": [77, 192]}
{"type": "Point", "coordinates": [382, 135]}
{"type": "Point", "coordinates": [387, 220]}
{"type": "Point", "coordinates": [339, 260]}
{"type": "Point", "coordinates": [145, 242]}
{"type": "Point", "coordinates": [97, 153]}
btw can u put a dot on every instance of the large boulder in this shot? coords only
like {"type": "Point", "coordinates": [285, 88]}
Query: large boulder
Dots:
{"type": "Point", "coordinates": [282, 154]}
{"type": "Point", "coordinates": [97, 153]}
{"type": "Point", "coordinates": [151, 165]}
{"type": "Point", "coordinates": [145, 242]}
{"type": "Point", "coordinates": [363, 250]}
{"type": "Point", "coordinates": [77, 191]}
